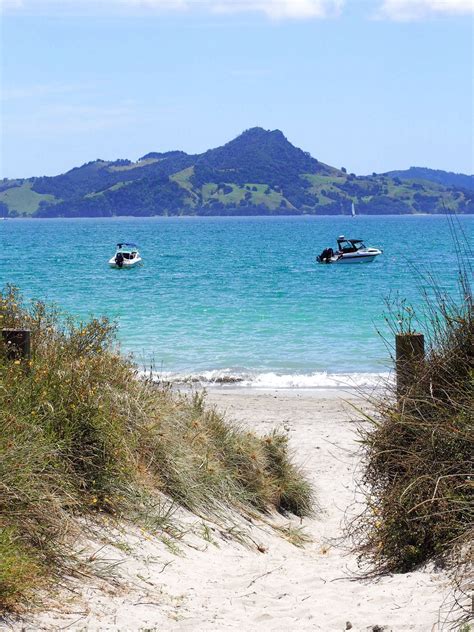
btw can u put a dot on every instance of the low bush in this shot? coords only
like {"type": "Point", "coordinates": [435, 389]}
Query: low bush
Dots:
{"type": "Point", "coordinates": [80, 433]}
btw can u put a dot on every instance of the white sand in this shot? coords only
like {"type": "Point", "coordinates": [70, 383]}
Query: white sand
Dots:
{"type": "Point", "coordinates": [270, 585]}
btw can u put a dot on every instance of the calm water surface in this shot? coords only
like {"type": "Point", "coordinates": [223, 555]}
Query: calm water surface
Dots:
{"type": "Point", "coordinates": [236, 295]}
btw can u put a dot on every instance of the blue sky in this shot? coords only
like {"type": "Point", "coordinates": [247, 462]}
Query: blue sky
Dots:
{"type": "Point", "coordinates": [370, 85]}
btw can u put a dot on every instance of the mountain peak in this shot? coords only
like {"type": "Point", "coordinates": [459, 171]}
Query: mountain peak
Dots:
{"type": "Point", "coordinates": [257, 155]}
{"type": "Point", "coordinates": [261, 135]}
{"type": "Point", "coordinates": [261, 132]}
{"type": "Point", "coordinates": [256, 142]}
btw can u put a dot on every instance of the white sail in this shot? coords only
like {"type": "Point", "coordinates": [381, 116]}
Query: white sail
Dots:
{"type": "Point", "coordinates": [353, 211]}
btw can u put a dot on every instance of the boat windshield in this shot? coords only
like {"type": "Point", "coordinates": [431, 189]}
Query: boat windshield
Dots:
{"type": "Point", "coordinates": [126, 249]}
{"type": "Point", "coordinates": [346, 246]}
{"type": "Point", "coordinates": [350, 245]}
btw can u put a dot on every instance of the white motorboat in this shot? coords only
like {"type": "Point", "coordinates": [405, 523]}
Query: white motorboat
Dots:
{"type": "Point", "coordinates": [126, 256]}
{"type": "Point", "coordinates": [349, 251]}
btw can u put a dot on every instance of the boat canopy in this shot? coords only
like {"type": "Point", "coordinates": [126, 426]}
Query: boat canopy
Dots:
{"type": "Point", "coordinates": [352, 241]}
{"type": "Point", "coordinates": [125, 244]}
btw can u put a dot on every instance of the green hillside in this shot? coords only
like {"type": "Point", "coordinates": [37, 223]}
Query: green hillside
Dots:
{"type": "Point", "coordinates": [22, 200]}
{"type": "Point", "coordinates": [259, 172]}
{"type": "Point", "coordinates": [446, 178]}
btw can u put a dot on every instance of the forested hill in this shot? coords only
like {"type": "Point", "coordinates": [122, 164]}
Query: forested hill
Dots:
{"type": "Point", "coordinates": [446, 178]}
{"type": "Point", "coordinates": [259, 172]}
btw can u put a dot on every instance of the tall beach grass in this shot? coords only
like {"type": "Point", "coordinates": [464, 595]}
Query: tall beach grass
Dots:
{"type": "Point", "coordinates": [80, 435]}
{"type": "Point", "coordinates": [419, 448]}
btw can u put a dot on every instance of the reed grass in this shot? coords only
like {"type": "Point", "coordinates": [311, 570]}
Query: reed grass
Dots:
{"type": "Point", "coordinates": [81, 435]}
{"type": "Point", "coordinates": [419, 449]}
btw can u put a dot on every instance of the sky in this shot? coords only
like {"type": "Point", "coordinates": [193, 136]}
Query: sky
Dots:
{"type": "Point", "coordinates": [371, 85]}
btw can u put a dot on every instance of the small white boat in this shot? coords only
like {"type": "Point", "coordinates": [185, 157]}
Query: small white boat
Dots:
{"type": "Point", "coordinates": [126, 256]}
{"type": "Point", "coordinates": [353, 210]}
{"type": "Point", "coordinates": [349, 251]}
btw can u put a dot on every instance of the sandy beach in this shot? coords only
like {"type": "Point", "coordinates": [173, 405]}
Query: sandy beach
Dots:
{"type": "Point", "coordinates": [258, 579]}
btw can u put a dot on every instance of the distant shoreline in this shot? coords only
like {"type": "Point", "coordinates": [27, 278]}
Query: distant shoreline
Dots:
{"type": "Point", "coordinates": [234, 217]}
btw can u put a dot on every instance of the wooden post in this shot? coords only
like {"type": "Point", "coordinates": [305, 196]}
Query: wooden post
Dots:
{"type": "Point", "coordinates": [410, 352]}
{"type": "Point", "coordinates": [17, 343]}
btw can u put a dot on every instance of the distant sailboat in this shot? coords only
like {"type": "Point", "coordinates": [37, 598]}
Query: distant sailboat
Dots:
{"type": "Point", "coordinates": [353, 210]}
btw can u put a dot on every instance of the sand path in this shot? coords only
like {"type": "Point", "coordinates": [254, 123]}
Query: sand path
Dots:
{"type": "Point", "coordinates": [220, 584]}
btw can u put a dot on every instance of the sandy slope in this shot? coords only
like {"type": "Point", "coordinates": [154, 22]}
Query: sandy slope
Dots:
{"type": "Point", "coordinates": [220, 584]}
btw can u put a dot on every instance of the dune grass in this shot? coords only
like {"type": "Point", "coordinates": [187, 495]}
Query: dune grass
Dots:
{"type": "Point", "coordinates": [80, 434]}
{"type": "Point", "coordinates": [419, 451]}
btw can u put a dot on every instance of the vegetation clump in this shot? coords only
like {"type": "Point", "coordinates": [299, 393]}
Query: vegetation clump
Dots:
{"type": "Point", "coordinates": [419, 450]}
{"type": "Point", "coordinates": [80, 434]}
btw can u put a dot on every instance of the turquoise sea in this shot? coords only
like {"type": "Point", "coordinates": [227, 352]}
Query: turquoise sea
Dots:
{"type": "Point", "coordinates": [236, 297]}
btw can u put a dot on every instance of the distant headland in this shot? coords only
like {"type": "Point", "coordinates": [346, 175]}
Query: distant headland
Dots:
{"type": "Point", "coordinates": [258, 173]}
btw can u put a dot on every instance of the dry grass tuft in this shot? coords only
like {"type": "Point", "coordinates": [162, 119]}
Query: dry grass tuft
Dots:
{"type": "Point", "coordinates": [419, 452]}
{"type": "Point", "coordinates": [80, 434]}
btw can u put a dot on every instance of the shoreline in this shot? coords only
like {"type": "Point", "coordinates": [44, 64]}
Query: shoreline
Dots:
{"type": "Point", "coordinates": [272, 380]}
{"type": "Point", "coordinates": [217, 394]}
{"type": "Point", "coordinates": [270, 216]}
{"type": "Point", "coordinates": [219, 582]}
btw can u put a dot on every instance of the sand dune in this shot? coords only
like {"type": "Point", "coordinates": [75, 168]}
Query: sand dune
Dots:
{"type": "Point", "coordinates": [259, 581]}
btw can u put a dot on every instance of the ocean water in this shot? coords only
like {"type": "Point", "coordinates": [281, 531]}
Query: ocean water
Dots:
{"type": "Point", "coordinates": [239, 298]}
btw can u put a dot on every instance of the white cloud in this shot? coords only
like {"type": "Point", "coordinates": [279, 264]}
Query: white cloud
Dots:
{"type": "Point", "coordinates": [407, 10]}
{"type": "Point", "coordinates": [274, 9]}
{"type": "Point", "coordinates": [166, 5]}
{"type": "Point", "coordinates": [280, 9]}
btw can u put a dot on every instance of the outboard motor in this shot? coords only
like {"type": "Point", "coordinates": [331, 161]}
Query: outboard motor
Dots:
{"type": "Point", "coordinates": [325, 256]}
{"type": "Point", "coordinates": [119, 259]}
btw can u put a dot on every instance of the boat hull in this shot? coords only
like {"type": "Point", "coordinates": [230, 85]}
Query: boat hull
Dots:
{"type": "Point", "coordinates": [126, 264]}
{"type": "Point", "coordinates": [362, 256]}
{"type": "Point", "coordinates": [350, 260]}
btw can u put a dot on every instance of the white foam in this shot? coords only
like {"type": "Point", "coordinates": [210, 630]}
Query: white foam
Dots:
{"type": "Point", "coordinates": [319, 380]}
{"type": "Point", "coordinates": [271, 380]}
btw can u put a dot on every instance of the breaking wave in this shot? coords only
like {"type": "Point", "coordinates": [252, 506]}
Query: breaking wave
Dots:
{"type": "Point", "coordinates": [271, 380]}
